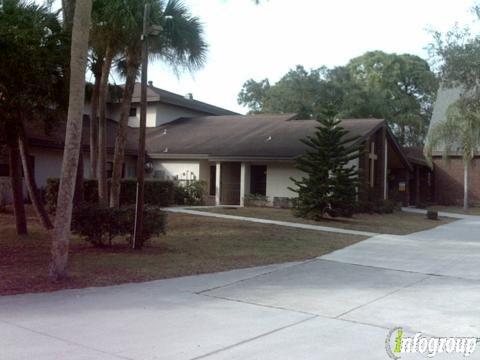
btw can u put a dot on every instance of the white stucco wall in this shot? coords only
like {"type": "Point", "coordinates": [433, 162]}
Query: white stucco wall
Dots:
{"type": "Point", "coordinates": [48, 164]}
{"type": "Point", "coordinates": [157, 114]}
{"type": "Point", "coordinates": [167, 113]}
{"type": "Point", "coordinates": [278, 179]}
{"type": "Point", "coordinates": [184, 170]}
{"type": "Point", "coordinates": [134, 121]}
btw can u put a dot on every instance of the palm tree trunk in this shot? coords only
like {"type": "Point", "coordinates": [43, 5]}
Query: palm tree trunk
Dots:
{"type": "Point", "coordinates": [68, 8]}
{"type": "Point", "coordinates": [78, 64]}
{"type": "Point", "coordinates": [120, 140]}
{"type": "Point", "coordinates": [94, 128]}
{"type": "Point", "coordinates": [17, 187]}
{"type": "Point", "coordinates": [102, 129]}
{"type": "Point", "coordinates": [465, 185]}
{"type": "Point", "coordinates": [31, 183]}
{"type": "Point", "coordinates": [79, 195]}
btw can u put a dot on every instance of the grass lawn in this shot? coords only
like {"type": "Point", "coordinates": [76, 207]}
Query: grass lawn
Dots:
{"type": "Point", "coordinates": [399, 223]}
{"type": "Point", "coordinates": [456, 209]}
{"type": "Point", "coordinates": [193, 245]}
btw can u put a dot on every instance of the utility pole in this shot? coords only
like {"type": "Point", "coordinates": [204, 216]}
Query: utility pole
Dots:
{"type": "Point", "coordinates": [139, 206]}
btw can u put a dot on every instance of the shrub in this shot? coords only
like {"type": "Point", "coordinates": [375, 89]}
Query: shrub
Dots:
{"type": "Point", "coordinates": [432, 215]}
{"type": "Point", "coordinates": [191, 193]}
{"type": "Point", "coordinates": [157, 192]}
{"type": "Point", "coordinates": [379, 207]}
{"type": "Point", "coordinates": [100, 225]}
{"type": "Point", "coordinates": [255, 200]}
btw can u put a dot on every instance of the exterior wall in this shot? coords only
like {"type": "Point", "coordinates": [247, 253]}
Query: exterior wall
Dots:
{"type": "Point", "coordinates": [157, 114]}
{"type": "Point", "coordinates": [48, 164]}
{"type": "Point", "coordinates": [152, 110]}
{"type": "Point", "coordinates": [130, 167]}
{"type": "Point", "coordinates": [204, 171]}
{"type": "Point", "coordinates": [449, 181]}
{"type": "Point", "coordinates": [278, 180]}
{"type": "Point", "coordinates": [166, 113]}
{"type": "Point", "coordinates": [183, 170]}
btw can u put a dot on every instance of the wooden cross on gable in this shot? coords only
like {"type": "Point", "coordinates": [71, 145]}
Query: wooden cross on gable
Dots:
{"type": "Point", "coordinates": [372, 158]}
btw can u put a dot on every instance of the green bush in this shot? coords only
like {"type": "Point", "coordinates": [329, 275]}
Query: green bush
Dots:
{"type": "Point", "coordinates": [378, 207]}
{"type": "Point", "coordinates": [100, 225]}
{"type": "Point", "coordinates": [255, 200]}
{"type": "Point", "coordinates": [157, 192]}
{"type": "Point", "coordinates": [190, 194]}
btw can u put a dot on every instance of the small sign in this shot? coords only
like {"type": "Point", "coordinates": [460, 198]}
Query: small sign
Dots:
{"type": "Point", "coordinates": [402, 186]}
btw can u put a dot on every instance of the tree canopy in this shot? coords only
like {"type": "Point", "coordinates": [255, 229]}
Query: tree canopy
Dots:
{"type": "Point", "coordinates": [398, 88]}
{"type": "Point", "coordinates": [32, 64]}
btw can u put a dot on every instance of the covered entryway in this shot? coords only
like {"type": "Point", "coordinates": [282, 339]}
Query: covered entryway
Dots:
{"type": "Point", "coordinates": [230, 183]}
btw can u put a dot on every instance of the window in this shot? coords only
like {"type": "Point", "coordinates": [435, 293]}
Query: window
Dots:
{"type": "Point", "coordinates": [213, 179]}
{"type": "Point", "coordinates": [4, 170]}
{"type": "Point", "coordinates": [133, 112]}
{"type": "Point", "coordinates": [258, 179]}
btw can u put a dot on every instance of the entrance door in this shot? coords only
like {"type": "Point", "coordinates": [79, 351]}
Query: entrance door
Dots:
{"type": "Point", "coordinates": [230, 182]}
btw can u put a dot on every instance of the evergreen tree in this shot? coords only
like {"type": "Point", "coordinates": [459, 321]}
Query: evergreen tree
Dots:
{"type": "Point", "coordinates": [330, 183]}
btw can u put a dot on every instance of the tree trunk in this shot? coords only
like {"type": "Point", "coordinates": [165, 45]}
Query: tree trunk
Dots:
{"type": "Point", "coordinates": [102, 129]}
{"type": "Point", "coordinates": [120, 140]}
{"type": "Point", "coordinates": [17, 187]}
{"type": "Point", "coordinates": [68, 9]}
{"type": "Point", "coordinates": [78, 64]}
{"type": "Point", "coordinates": [94, 128]}
{"type": "Point", "coordinates": [465, 185]}
{"type": "Point", "coordinates": [79, 195]}
{"type": "Point", "coordinates": [31, 183]}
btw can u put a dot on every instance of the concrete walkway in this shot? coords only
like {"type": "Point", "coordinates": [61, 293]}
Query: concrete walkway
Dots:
{"type": "Point", "coordinates": [270, 222]}
{"type": "Point", "coordinates": [339, 306]}
{"type": "Point", "coordinates": [440, 213]}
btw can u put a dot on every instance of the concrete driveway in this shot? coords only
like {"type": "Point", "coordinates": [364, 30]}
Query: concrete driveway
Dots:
{"type": "Point", "coordinates": [340, 306]}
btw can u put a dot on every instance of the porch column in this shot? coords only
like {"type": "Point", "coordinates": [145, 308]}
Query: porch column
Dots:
{"type": "Point", "coordinates": [218, 186]}
{"type": "Point", "coordinates": [242, 184]}
{"type": "Point", "coordinates": [385, 175]}
{"type": "Point", "coordinates": [407, 187]}
{"type": "Point", "coordinates": [417, 186]}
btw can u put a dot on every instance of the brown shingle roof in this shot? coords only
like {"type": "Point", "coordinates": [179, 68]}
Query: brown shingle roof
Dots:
{"type": "Point", "coordinates": [265, 136]}
{"type": "Point", "coordinates": [253, 136]}
{"type": "Point", "coordinates": [155, 94]}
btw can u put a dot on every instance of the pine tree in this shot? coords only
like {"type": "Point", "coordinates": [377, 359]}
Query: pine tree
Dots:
{"type": "Point", "coordinates": [330, 183]}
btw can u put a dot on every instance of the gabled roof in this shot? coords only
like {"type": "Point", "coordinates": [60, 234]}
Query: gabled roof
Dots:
{"type": "Point", "coordinates": [155, 94]}
{"type": "Point", "coordinates": [415, 155]}
{"type": "Point", "coordinates": [253, 136]}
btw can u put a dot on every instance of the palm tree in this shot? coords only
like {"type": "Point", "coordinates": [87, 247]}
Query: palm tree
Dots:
{"type": "Point", "coordinates": [180, 44]}
{"type": "Point", "coordinates": [108, 34]}
{"type": "Point", "coordinates": [96, 69]}
{"type": "Point", "coordinates": [458, 133]}
{"type": "Point", "coordinates": [78, 63]}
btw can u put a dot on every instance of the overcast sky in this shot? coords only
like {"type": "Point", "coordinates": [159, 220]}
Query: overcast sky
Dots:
{"type": "Point", "coordinates": [249, 41]}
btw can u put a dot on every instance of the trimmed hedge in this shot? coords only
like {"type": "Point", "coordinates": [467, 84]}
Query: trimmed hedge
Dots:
{"type": "Point", "coordinates": [378, 207]}
{"type": "Point", "coordinates": [100, 225]}
{"type": "Point", "coordinates": [157, 192]}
